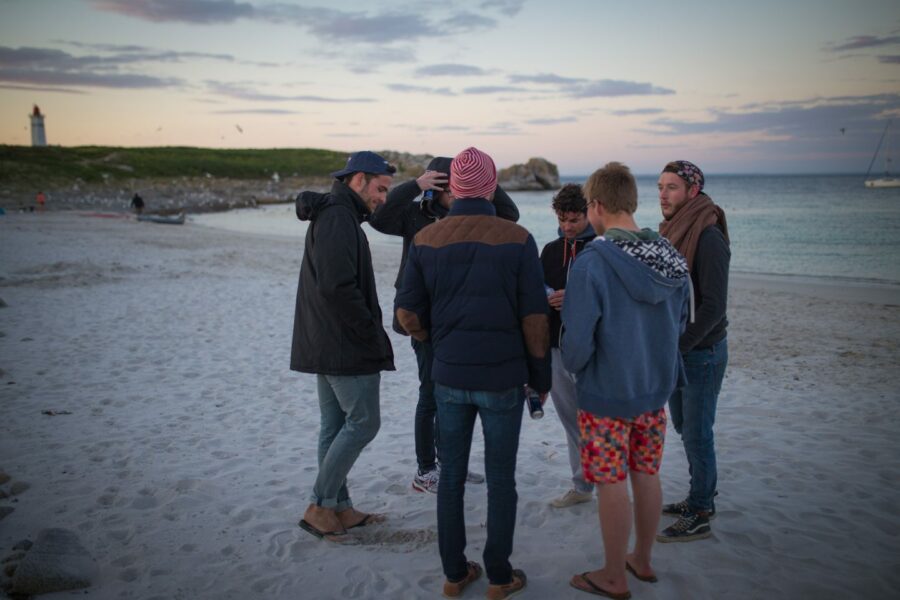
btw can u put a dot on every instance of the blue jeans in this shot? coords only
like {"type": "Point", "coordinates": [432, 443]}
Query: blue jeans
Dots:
{"type": "Point", "coordinates": [693, 411]}
{"type": "Point", "coordinates": [501, 420]}
{"type": "Point", "coordinates": [350, 418]}
{"type": "Point", "coordinates": [426, 431]}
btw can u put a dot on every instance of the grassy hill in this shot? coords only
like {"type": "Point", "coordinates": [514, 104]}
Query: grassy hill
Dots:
{"type": "Point", "coordinates": [44, 167]}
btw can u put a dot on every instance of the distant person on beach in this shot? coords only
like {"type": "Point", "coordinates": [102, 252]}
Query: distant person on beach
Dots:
{"type": "Point", "coordinates": [697, 228]}
{"type": "Point", "coordinates": [339, 336]}
{"type": "Point", "coordinates": [137, 203]}
{"type": "Point", "coordinates": [41, 200]}
{"type": "Point", "coordinates": [557, 257]}
{"type": "Point", "coordinates": [401, 215]}
{"type": "Point", "coordinates": [627, 302]}
{"type": "Point", "coordinates": [473, 286]}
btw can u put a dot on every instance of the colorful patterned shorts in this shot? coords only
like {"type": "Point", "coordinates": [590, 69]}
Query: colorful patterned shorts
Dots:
{"type": "Point", "coordinates": [607, 443]}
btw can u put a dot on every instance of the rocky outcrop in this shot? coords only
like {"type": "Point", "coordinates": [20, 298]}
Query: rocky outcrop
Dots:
{"type": "Point", "coordinates": [170, 195]}
{"type": "Point", "coordinates": [536, 174]}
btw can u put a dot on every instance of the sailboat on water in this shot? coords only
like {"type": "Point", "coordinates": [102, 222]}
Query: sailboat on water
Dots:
{"type": "Point", "coordinates": [887, 181]}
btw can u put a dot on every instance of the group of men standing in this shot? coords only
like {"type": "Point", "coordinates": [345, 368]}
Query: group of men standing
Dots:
{"type": "Point", "coordinates": [638, 320]}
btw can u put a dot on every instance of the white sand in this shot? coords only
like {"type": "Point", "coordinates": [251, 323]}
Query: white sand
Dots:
{"type": "Point", "coordinates": [189, 453]}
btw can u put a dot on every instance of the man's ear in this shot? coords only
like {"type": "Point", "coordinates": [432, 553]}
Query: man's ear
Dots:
{"type": "Point", "coordinates": [357, 181]}
{"type": "Point", "coordinates": [693, 191]}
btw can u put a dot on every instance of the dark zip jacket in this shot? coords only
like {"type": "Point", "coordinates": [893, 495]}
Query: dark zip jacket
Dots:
{"type": "Point", "coordinates": [337, 320]}
{"type": "Point", "coordinates": [556, 259]}
{"type": "Point", "coordinates": [402, 215]}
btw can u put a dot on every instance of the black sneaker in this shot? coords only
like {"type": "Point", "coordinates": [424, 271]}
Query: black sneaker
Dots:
{"type": "Point", "coordinates": [689, 527]}
{"type": "Point", "coordinates": [679, 509]}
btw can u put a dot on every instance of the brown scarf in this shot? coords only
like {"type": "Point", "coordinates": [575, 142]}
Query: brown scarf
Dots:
{"type": "Point", "coordinates": [684, 229]}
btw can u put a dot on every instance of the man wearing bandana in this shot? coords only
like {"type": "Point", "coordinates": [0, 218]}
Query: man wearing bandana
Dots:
{"type": "Point", "coordinates": [698, 229]}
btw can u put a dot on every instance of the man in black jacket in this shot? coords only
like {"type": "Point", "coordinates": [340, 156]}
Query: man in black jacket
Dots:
{"type": "Point", "coordinates": [556, 258]}
{"type": "Point", "coordinates": [339, 336]}
{"type": "Point", "coordinates": [698, 229]}
{"type": "Point", "coordinates": [401, 215]}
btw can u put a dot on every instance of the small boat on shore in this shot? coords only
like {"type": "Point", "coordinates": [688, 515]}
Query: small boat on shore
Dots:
{"type": "Point", "coordinates": [164, 219]}
{"type": "Point", "coordinates": [887, 181]}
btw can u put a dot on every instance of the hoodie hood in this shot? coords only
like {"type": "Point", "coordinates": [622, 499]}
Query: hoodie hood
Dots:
{"type": "Point", "coordinates": [587, 235]}
{"type": "Point", "coordinates": [308, 205]}
{"type": "Point", "coordinates": [650, 271]}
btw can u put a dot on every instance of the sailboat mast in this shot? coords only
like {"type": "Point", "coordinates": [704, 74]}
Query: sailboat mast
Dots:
{"type": "Point", "coordinates": [874, 156]}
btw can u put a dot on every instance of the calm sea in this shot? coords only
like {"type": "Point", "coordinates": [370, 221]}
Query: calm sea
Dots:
{"type": "Point", "coordinates": [811, 225]}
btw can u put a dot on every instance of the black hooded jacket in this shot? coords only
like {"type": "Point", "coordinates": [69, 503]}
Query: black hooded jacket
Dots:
{"type": "Point", "coordinates": [337, 320]}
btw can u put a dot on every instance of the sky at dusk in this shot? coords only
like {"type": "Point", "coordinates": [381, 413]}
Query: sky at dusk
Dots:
{"type": "Point", "coordinates": [801, 86]}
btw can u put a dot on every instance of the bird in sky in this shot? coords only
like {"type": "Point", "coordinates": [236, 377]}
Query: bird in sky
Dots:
{"type": "Point", "coordinates": [238, 127]}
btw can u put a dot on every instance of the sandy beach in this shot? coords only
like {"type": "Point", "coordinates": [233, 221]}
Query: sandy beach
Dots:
{"type": "Point", "coordinates": [182, 450]}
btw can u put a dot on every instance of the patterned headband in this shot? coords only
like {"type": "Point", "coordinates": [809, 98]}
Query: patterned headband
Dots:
{"type": "Point", "coordinates": [688, 171]}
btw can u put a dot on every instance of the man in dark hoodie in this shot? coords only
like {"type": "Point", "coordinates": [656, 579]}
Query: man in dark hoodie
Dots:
{"type": "Point", "coordinates": [401, 215]}
{"type": "Point", "coordinates": [339, 336]}
{"type": "Point", "coordinates": [627, 302]}
{"type": "Point", "coordinates": [574, 232]}
{"type": "Point", "coordinates": [697, 227]}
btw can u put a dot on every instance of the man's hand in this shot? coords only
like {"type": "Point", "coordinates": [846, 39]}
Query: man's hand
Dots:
{"type": "Point", "coordinates": [432, 180]}
{"type": "Point", "coordinates": [556, 299]}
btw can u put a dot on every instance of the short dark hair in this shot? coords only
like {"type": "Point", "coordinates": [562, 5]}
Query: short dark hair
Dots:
{"type": "Point", "coordinates": [570, 199]}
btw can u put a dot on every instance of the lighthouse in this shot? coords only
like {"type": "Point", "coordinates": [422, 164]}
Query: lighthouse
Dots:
{"type": "Point", "coordinates": [38, 137]}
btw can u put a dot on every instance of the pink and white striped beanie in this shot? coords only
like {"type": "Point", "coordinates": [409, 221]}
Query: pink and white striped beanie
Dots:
{"type": "Point", "coordinates": [472, 174]}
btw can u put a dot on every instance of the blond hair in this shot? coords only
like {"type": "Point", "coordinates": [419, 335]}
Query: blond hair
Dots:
{"type": "Point", "coordinates": [614, 187]}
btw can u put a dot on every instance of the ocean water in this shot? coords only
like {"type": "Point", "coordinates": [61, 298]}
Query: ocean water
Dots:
{"type": "Point", "coordinates": [827, 226]}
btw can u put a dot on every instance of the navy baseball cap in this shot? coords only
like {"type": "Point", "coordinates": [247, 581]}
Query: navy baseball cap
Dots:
{"type": "Point", "coordinates": [366, 162]}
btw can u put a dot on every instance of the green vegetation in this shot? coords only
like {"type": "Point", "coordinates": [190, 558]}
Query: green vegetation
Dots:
{"type": "Point", "coordinates": [54, 164]}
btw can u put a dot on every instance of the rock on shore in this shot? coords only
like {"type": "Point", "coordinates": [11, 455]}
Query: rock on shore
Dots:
{"type": "Point", "coordinates": [536, 174]}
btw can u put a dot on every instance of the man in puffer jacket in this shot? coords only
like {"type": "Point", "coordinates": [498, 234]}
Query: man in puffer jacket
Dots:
{"type": "Point", "coordinates": [473, 285]}
{"type": "Point", "coordinates": [401, 215]}
{"type": "Point", "coordinates": [339, 336]}
{"type": "Point", "coordinates": [627, 302]}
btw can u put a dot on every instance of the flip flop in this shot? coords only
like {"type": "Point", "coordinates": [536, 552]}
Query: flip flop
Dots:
{"type": "Point", "coordinates": [331, 536]}
{"type": "Point", "coordinates": [633, 571]}
{"type": "Point", "coordinates": [370, 519]}
{"type": "Point", "coordinates": [595, 589]}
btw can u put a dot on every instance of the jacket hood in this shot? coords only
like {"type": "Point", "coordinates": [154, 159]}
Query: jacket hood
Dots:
{"type": "Point", "coordinates": [308, 205]}
{"type": "Point", "coordinates": [644, 283]}
{"type": "Point", "coordinates": [588, 233]}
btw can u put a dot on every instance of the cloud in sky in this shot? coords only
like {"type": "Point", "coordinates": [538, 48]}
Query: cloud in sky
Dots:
{"type": "Point", "coordinates": [495, 89]}
{"type": "Point", "coordinates": [326, 23]}
{"type": "Point", "coordinates": [607, 88]}
{"type": "Point", "coordinates": [242, 92]}
{"type": "Point", "coordinates": [546, 78]}
{"type": "Point", "coordinates": [449, 69]}
{"type": "Point", "coordinates": [31, 88]}
{"type": "Point", "coordinates": [579, 87]}
{"type": "Point", "coordinates": [48, 67]}
{"type": "Point", "coordinates": [814, 119]}
{"type": "Point", "coordinates": [551, 121]}
{"type": "Point", "coordinates": [421, 89]}
{"type": "Point", "coordinates": [637, 111]}
{"type": "Point", "coordinates": [510, 8]}
{"type": "Point", "coordinates": [188, 11]}
{"type": "Point", "coordinates": [865, 41]}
